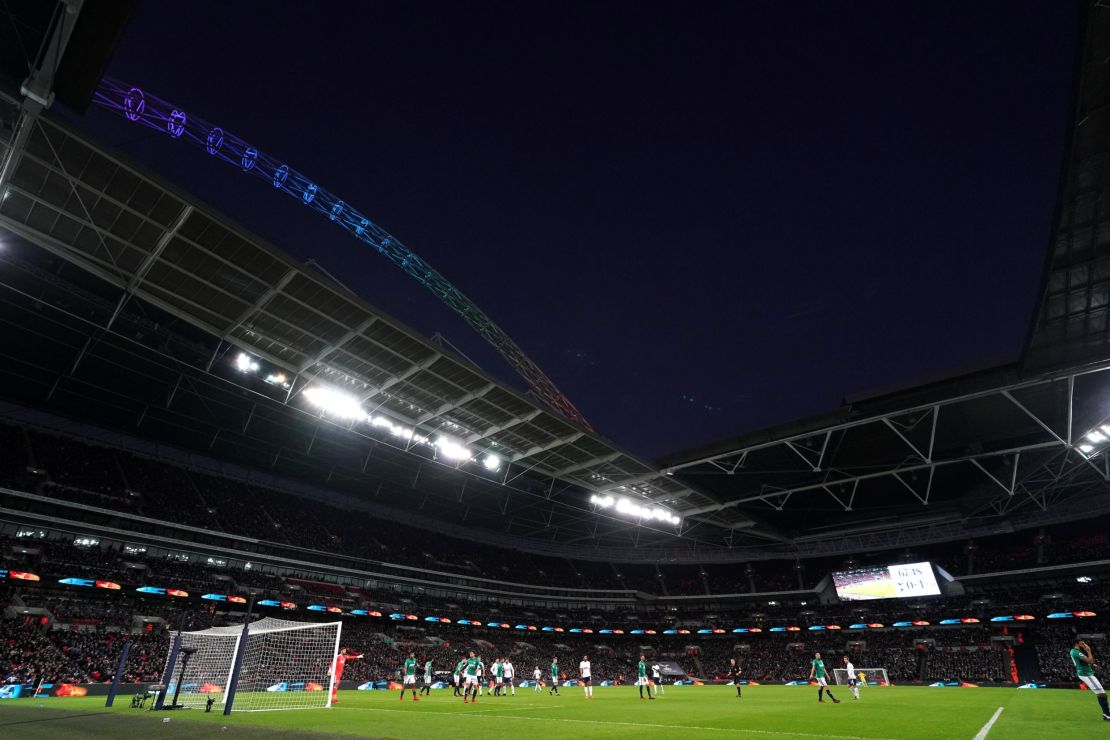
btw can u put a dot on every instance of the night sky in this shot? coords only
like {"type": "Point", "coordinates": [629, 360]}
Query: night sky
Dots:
{"type": "Point", "coordinates": [697, 218]}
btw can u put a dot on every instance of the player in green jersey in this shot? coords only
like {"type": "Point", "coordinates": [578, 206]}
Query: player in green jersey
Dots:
{"type": "Point", "coordinates": [457, 676]}
{"type": "Point", "coordinates": [817, 671]}
{"type": "Point", "coordinates": [497, 676]}
{"type": "Point", "coordinates": [471, 672]}
{"type": "Point", "coordinates": [642, 678]}
{"type": "Point", "coordinates": [1085, 665]}
{"type": "Point", "coordinates": [428, 676]}
{"type": "Point", "coordinates": [554, 678]}
{"type": "Point", "coordinates": [408, 681]}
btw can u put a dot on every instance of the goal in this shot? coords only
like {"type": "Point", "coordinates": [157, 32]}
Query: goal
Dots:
{"type": "Point", "coordinates": [282, 664]}
{"type": "Point", "coordinates": [863, 676]}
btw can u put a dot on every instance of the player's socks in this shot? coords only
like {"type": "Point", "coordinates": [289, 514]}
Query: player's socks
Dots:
{"type": "Point", "coordinates": [641, 692]}
{"type": "Point", "coordinates": [737, 691]}
{"type": "Point", "coordinates": [820, 693]}
{"type": "Point", "coordinates": [835, 700]}
{"type": "Point", "coordinates": [1102, 703]}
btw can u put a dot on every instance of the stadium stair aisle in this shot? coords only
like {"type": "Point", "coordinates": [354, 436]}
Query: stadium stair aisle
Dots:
{"type": "Point", "coordinates": [1025, 656]}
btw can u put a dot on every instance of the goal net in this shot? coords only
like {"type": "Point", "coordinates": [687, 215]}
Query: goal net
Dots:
{"type": "Point", "coordinates": [285, 665]}
{"type": "Point", "coordinates": [863, 676]}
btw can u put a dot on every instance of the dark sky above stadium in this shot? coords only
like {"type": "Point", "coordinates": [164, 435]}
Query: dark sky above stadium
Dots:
{"type": "Point", "coordinates": [698, 218]}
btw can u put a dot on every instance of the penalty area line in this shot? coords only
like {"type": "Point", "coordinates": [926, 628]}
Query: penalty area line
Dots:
{"type": "Point", "coordinates": [990, 723]}
{"type": "Point", "coordinates": [651, 725]}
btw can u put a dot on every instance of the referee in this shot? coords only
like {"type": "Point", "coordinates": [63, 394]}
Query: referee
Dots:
{"type": "Point", "coordinates": [734, 674]}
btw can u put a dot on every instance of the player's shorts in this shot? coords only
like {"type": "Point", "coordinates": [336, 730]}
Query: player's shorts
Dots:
{"type": "Point", "coordinates": [822, 681]}
{"type": "Point", "coordinates": [641, 681]}
{"type": "Point", "coordinates": [410, 680]}
{"type": "Point", "coordinates": [428, 680]}
{"type": "Point", "coordinates": [852, 682]}
{"type": "Point", "coordinates": [455, 678]}
{"type": "Point", "coordinates": [471, 680]}
{"type": "Point", "coordinates": [1092, 683]}
{"type": "Point", "coordinates": [554, 681]}
{"type": "Point", "coordinates": [586, 680]}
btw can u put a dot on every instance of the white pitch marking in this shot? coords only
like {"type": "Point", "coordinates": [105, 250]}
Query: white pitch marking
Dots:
{"type": "Point", "coordinates": [987, 727]}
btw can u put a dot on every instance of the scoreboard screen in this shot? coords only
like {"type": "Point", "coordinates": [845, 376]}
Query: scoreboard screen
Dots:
{"type": "Point", "coordinates": [886, 582]}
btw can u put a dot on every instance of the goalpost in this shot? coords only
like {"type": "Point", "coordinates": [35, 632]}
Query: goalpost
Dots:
{"type": "Point", "coordinates": [282, 665]}
{"type": "Point", "coordinates": [863, 676]}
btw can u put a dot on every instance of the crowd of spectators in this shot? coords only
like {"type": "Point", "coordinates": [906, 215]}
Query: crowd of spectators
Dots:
{"type": "Point", "coordinates": [83, 641]}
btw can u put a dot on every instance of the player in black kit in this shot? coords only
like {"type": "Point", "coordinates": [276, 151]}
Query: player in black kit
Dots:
{"type": "Point", "coordinates": [734, 674]}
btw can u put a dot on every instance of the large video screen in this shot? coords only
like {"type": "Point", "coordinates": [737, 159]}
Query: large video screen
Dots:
{"type": "Point", "coordinates": [886, 582]}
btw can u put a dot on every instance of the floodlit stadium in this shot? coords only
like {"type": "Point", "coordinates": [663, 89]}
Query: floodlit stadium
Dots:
{"type": "Point", "coordinates": [239, 494]}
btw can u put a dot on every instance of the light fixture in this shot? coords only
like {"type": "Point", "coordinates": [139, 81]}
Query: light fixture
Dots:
{"type": "Point", "coordinates": [1084, 579]}
{"type": "Point", "coordinates": [491, 463]}
{"type": "Point", "coordinates": [244, 363]}
{"type": "Point", "coordinates": [451, 449]}
{"type": "Point", "coordinates": [335, 402]}
{"type": "Point", "coordinates": [630, 508]}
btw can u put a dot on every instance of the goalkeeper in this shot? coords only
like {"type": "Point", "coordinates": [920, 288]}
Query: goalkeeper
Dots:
{"type": "Point", "coordinates": [337, 671]}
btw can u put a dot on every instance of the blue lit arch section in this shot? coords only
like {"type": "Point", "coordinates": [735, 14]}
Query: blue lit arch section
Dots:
{"type": "Point", "coordinates": [134, 103]}
{"type": "Point", "coordinates": [175, 124]}
{"type": "Point", "coordinates": [140, 107]}
{"type": "Point", "coordinates": [250, 157]}
{"type": "Point", "coordinates": [214, 141]}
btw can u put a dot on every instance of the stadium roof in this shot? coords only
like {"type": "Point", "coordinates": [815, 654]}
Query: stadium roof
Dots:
{"type": "Point", "coordinates": [144, 335]}
{"type": "Point", "coordinates": [1013, 446]}
{"type": "Point", "coordinates": [161, 248]}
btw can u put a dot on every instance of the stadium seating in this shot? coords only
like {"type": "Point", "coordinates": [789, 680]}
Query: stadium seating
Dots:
{"type": "Point", "coordinates": [91, 475]}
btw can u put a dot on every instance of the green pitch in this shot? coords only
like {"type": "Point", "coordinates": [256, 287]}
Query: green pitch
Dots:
{"type": "Point", "coordinates": [769, 712]}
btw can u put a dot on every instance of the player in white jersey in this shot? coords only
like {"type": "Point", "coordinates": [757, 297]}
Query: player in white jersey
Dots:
{"type": "Point", "coordinates": [585, 677]}
{"type": "Point", "coordinates": [537, 679]}
{"type": "Point", "coordinates": [657, 677]}
{"type": "Point", "coordinates": [509, 674]}
{"type": "Point", "coordinates": [853, 684]}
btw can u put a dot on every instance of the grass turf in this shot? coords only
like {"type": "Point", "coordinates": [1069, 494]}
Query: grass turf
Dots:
{"type": "Point", "coordinates": [770, 712]}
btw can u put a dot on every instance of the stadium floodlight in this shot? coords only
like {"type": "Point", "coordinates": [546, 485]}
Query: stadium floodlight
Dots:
{"type": "Point", "coordinates": [630, 508]}
{"type": "Point", "coordinates": [397, 430]}
{"type": "Point", "coordinates": [602, 502]}
{"type": "Point", "coordinates": [277, 379]}
{"type": "Point", "coordinates": [1083, 579]}
{"type": "Point", "coordinates": [451, 449]}
{"type": "Point", "coordinates": [244, 363]}
{"type": "Point", "coordinates": [335, 402]}
{"type": "Point", "coordinates": [1096, 441]}
{"type": "Point", "coordinates": [491, 463]}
